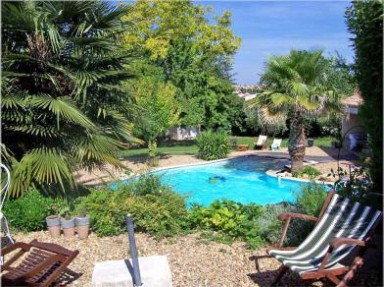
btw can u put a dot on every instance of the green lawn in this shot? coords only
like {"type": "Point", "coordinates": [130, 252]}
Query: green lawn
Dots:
{"type": "Point", "coordinates": [189, 147]}
{"type": "Point", "coordinates": [174, 148]}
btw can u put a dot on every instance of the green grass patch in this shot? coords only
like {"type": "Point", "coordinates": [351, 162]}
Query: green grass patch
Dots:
{"type": "Point", "coordinates": [165, 150]}
{"type": "Point", "coordinates": [190, 147]}
{"type": "Point", "coordinates": [324, 141]}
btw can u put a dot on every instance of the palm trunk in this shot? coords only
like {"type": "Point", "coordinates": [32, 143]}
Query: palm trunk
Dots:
{"type": "Point", "coordinates": [296, 145]}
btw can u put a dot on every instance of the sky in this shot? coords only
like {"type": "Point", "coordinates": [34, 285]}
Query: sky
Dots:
{"type": "Point", "coordinates": [275, 27]}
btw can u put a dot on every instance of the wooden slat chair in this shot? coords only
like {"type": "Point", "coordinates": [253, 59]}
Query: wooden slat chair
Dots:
{"type": "Point", "coordinates": [343, 229]}
{"type": "Point", "coordinates": [261, 141]}
{"type": "Point", "coordinates": [37, 264]}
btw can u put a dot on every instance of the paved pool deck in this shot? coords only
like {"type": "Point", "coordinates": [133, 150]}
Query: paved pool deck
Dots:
{"type": "Point", "coordinates": [326, 157]}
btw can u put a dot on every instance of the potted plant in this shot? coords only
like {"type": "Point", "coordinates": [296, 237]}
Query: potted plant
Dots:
{"type": "Point", "coordinates": [53, 223]}
{"type": "Point", "coordinates": [82, 225]}
{"type": "Point", "coordinates": [67, 223]}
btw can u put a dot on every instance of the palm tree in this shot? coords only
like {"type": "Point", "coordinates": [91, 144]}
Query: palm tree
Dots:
{"type": "Point", "coordinates": [62, 104]}
{"type": "Point", "coordinates": [296, 86]}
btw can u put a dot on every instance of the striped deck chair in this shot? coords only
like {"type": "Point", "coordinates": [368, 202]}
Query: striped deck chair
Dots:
{"type": "Point", "coordinates": [343, 229]}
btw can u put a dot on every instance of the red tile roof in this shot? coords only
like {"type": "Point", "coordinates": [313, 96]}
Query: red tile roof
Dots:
{"type": "Point", "coordinates": [353, 101]}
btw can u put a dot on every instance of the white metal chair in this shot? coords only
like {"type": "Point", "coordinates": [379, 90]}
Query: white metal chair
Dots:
{"type": "Point", "coordinates": [6, 237]}
{"type": "Point", "coordinates": [276, 144]}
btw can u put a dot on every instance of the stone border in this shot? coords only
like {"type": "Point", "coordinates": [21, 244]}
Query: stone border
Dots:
{"type": "Point", "coordinates": [272, 173]}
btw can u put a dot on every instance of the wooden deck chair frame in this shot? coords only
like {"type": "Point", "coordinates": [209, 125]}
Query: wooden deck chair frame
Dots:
{"type": "Point", "coordinates": [37, 264]}
{"type": "Point", "coordinates": [261, 141]}
{"type": "Point", "coordinates": [322, 271]}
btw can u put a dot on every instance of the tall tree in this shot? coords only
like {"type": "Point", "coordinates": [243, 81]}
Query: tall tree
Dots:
{"type": "Point", "coordinates": [62, 105]}
{"type": "Point", "coordinates": [157, 106]}
{"type": "Point", "coordinates": [194, 53]}
{"type": "Point", "coordinates": [365, 22]}
{"type": "Point", "coordinates": [296, 85]}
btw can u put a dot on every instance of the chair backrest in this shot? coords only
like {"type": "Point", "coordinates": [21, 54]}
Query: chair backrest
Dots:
{"type": "Point", "coordinates": [4, 188]}
{"type": "Point", "coordinates": [276, 142]}
{"type": "Point", "coordinates": [261, 140]}
{"type": "Point", "coordinates": [37, 264]}
{"type": "Point", "coordinates": [342, 218]}
{"type": "Point", "coordinates": [6, 237]}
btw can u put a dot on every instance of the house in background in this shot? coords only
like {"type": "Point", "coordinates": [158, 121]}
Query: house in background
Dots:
{"type": "Point", "coordinates": [183, 133]}
{"type": "Point", "coordinates": [352, 128]}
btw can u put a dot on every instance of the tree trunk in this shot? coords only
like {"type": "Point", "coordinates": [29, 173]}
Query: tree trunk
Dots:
{"type": "Point", "coordinates": [296, 145]}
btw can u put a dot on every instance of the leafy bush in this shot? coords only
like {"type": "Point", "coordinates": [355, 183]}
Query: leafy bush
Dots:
{"type": "Point", "coordinates": [308, 170]}
{"type": "Point", "coordinates": [212, 145]}
{"type": "Point", "coordinates": [311, 198]}
{"type": "Point", "coordinates": [155, 208]}
{"type": "Point", "coordinates": [270, 226]}
{"type": "Point", "coordinates": [308, 201]}
{"type": "Point", "coordinates": [229, 219]}
{"type": "Point", "coordinates": [355, 184]}
{"type": "Point", "coordinates": [28, 213]}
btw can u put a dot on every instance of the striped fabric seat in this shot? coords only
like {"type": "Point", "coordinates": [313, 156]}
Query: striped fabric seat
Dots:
{"type": "Point", "coordinates": [342, 219]}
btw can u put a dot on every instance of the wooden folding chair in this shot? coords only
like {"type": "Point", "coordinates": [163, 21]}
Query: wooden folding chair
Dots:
{"type": "Point", "coordinates": [343, 229]}
{"type": "Point", "coordinates": [261, 141]}
{"type": "Point", "coordinates": [37, 264]}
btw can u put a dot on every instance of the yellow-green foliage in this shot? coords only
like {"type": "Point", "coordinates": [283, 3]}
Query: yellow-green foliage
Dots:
{"type": "Point", "coordinates": [158, 106]}
{"type": "Point", "coordinates": [155, 27]}
{"type": "Point", "coordinates": [310, 171]}
{"type": "Point", "coordinates": [229, 219]}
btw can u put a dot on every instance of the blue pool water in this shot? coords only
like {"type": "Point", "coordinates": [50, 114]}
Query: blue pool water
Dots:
{"type": "Point", "coordinates": [241, 179]}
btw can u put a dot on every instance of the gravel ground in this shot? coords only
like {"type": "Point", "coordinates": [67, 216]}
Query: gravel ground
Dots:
{"type": "Point", "coordinates": [194, 262]}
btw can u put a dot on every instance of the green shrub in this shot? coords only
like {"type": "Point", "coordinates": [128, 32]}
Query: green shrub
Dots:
{"type": "Point", "coordinates": [212, 145]}
{"type": "Point", "coordinates": [155, 208]}
{"type": "Point", "coordinates": [229, 219]}
{"type": "Point", "coordinates": [270, 226]}
{"type": "Point", "coordinates": [28, 213]}
{"type": "Point", "coordinates": [311, 198]}
{"type": "Point", "coordinates": [356, 185]}
{"type": "Point", "coordinates": [308, 170]}
{"type": "Point", "coordinates": [309, 201]}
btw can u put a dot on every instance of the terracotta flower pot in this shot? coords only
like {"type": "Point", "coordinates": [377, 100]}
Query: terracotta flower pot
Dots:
{"type": "Point", "coordinates": [53, 223]}
{"type": "Point", "coordinates": [82, 227]}
{"type": "Point", "coordinates": [68, 226]}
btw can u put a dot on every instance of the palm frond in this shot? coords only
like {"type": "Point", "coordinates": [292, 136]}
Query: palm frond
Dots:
{"type": "Point", "coordinates": [41, 165]}
{"type": "Point", "coordinates": [96, 150]}
{"type": "Point", "coordinates": [63, 108]}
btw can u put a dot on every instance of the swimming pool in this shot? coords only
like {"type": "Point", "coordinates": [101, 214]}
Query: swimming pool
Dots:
{"type": "Point", "coordinates": [240, 179]}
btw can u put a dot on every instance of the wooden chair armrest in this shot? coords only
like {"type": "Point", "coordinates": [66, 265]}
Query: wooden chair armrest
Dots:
{"type": "Point", "coordinates": [350, 241]}
{"type": "Point", "coordinates": [13, 247]}
{"type": "Point", "coordinates": [52, 247]}
{"type": "Point", "coordinates": [22, 247]}
{"type": "Point", "coordinates": [285, 216]}
{"type": "Point", "coordinates": [337, 242]}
